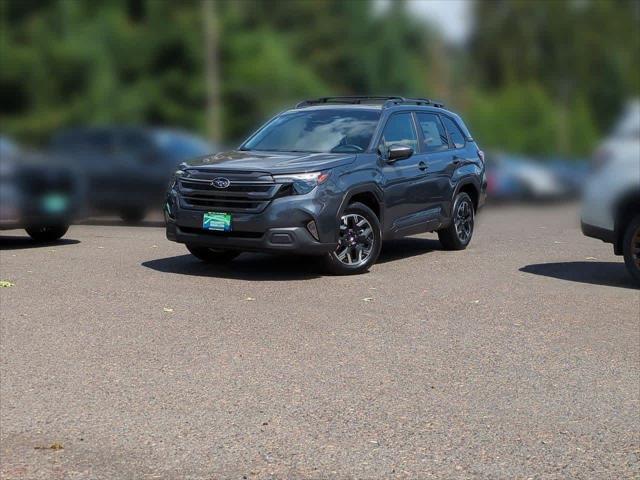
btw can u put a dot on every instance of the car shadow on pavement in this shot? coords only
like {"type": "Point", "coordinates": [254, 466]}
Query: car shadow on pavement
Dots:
{"type": "Point", "coordinates": [612, 274]}
{"type": "Point", "coordinates": [248, 266]}
{"type": "Point", "coordinates": [407, 247]}
{"type": "Point", "coordinates": [20, 243]}
{"type": "Point", "coordinates": [255, 266]}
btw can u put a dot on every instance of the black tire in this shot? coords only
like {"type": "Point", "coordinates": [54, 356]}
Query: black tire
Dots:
{"type": "Point", "coordinates": [458, 234]}
{"type": "Point", "coordinates": [211, 255]}
{"type": "Point", "coordinates": [367, 238]}
{"type": "Point", "coordinates": [47, 234]}
{"type": "Point", "coordinates": [631, 248]}
{"type": "Point", "coordinates": [133, 215]}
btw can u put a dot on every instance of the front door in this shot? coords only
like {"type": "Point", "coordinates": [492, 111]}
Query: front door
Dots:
{"type": "Point", "coordinates": [404, 190]}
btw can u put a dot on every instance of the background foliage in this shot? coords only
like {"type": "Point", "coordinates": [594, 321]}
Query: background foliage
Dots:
{"type": "Point", "coordinates": [536, 77]}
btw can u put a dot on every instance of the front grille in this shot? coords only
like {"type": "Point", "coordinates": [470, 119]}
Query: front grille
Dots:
{"type": "Point", "coordinates": [248, 192]}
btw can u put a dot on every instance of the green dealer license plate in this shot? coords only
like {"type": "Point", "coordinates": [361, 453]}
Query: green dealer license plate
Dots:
{"type": "Point", "coordinates": [217, 221]}
{"type": "Point", "coordinates": [55, 203]}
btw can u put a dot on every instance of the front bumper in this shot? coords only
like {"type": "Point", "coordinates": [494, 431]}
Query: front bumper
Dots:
{"type": "Point", "coordinates": [280, 227]}
{"type": "Point", "coordinates": [274, 240]}
{"type": "Point", "coordinates": [600, 233]}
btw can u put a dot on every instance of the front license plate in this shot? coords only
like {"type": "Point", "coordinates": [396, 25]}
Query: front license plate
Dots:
{"type": "Point", "coordinates": [220, 222]}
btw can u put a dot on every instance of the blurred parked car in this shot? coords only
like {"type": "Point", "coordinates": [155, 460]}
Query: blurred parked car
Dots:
{"type": "Point", "coordinates": [512, 177]}
{"type": "Point", "coordinates": [127, 168]}
{"type": "Point", "coordinates": [571, 173]}
{"type": "Point", "coordinates": [36, 193]}
{"type": "Point", "coordinates": [611, 206]}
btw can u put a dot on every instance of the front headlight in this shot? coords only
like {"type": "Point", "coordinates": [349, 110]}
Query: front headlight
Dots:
{"type": "Point", "coordinates": [302, 183]}
{"type": "Point", "coordinates": [178, 174]}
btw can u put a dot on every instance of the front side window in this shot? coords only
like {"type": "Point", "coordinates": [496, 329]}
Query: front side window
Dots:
{"type": "Point", "coordinates": [317, 131]}
{"type": "Point", "coordinates": [454, 132]}
{"type": "Point", "coordinates": [399, 130]}
{"type": "Point", "coordinates": [435, 138]}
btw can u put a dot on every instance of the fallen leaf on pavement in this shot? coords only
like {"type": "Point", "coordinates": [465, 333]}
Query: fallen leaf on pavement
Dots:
{"type": "Point", "coordinates": [53, 446]}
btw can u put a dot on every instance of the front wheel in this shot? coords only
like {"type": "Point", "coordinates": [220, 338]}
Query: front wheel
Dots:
{"type": "Point", "coordinates": [47, 234]}
{"type": "Point", "coordinates": [212, 255]}
{"type": "Point", "coordinates": [359, 241]}
{"type": "Point", "coordinates": [631, 248]}
{"type": "Point", "coordinates": [458, 234]}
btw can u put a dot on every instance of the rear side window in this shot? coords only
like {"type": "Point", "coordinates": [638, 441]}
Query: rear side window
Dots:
{"type": "Point", "coordinates": [399, 131]}
{"type": "Point", "coordinates": [454, 132]}
{"type": "Point", "coordinates": [435, 138]}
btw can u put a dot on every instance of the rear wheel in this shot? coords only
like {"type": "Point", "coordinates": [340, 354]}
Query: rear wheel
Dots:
{"type": "Point", "coordinates": [631, 248]}
{"type": "Point", "coordinates": [458, 234]}
{"type": "Point", "coordinates": [212, 255]}
{"type": "Point", "coordinates": [359, 241]}
{"type": "Point", "coordinates": [47, 234]}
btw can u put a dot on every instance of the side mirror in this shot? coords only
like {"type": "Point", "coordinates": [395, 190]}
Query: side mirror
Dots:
{"type": "Point", "coordinates": [398, 152]}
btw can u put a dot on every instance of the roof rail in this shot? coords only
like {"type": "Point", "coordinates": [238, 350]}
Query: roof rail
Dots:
{"type": "Point", "coordinates": [364, 99]}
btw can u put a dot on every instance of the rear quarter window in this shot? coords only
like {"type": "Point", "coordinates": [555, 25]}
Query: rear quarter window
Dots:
{"type": "Point", "coordinates": [457, 138]}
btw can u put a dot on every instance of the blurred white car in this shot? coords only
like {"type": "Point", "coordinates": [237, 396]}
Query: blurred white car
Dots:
{"type": "Point", "coordinates": [611, 204]}
{"type": "Point", "coordinates": [512, 177]}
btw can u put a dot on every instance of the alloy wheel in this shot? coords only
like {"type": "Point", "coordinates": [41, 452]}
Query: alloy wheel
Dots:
{"type": "Point", "coordinates": [356, 240]}
{"type": "Point", "coordinates": [464, 221]}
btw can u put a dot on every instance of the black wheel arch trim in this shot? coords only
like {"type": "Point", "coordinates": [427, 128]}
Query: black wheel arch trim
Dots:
{"type": "Point", "coordinates": [372, 188]}
{"type": "Point", "coordinates": [469, 180]}
{"type": "Point", "coordinates": [623, 209]}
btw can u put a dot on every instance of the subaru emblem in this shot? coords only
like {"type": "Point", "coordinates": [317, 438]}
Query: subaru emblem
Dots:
{"type": "Point", "coordinates": [220, 182]}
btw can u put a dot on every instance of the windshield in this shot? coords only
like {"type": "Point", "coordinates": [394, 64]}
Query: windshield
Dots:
{"type": "Point", "coordinates": [181, 146]}
{"type": "Point", "coordinates": [317, 131]}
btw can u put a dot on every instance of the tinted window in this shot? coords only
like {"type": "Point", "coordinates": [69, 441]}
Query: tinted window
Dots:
{"type": "Point", "coordinates": [454, 132]}
{"type": "Point", "coordinates": [324, 130]}
{"type": "Point", "coordinates": [178, 146]}
{"type": "Point", "coordinates": [399, 131]}
{"type": "Point", "coordinates": [435, 138]}
{"type": "Point", "coordinates": [88, 141]}
{"type": "Point", "coordinates": [133, 143]}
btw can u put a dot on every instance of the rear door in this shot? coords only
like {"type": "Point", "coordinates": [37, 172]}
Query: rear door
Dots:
{"type": "Point", "coordinates": [404, 189]}
{"type": "Point", "coordinates": [438, 157]}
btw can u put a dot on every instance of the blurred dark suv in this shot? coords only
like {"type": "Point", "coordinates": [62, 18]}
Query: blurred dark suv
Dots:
{"type": "Point", "coordinates": [333, 177]}
{"type": "Point", "coordinates": [126, 168]}
{"type": "Point", "coordinates": [37, 193]}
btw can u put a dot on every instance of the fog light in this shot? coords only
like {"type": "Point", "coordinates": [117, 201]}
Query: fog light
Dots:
{"type": "Point", "coordinates": [313, 229]}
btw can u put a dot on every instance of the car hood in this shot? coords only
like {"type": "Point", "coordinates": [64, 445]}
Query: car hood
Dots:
{"type": "Point", "coordinates": [270, 162]}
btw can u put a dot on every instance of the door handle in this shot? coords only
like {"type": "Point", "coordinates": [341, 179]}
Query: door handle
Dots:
{"type": "Point", "coordinates": [423, 166]}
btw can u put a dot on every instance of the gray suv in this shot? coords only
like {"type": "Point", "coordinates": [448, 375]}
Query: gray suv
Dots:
{"type": "Point", "coordinates": [333, 177]}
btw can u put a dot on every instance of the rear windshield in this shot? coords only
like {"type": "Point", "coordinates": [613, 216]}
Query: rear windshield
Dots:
{"type": "Point", "coordinates": [317, 131]}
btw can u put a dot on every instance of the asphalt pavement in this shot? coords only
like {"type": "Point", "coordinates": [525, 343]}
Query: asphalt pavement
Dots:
{"type": "Point", "coordinates": [123, 357]}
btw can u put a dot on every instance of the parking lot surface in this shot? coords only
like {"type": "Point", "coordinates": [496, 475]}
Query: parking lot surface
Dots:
{"type": "Point", "coordinates": [517, 358]}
